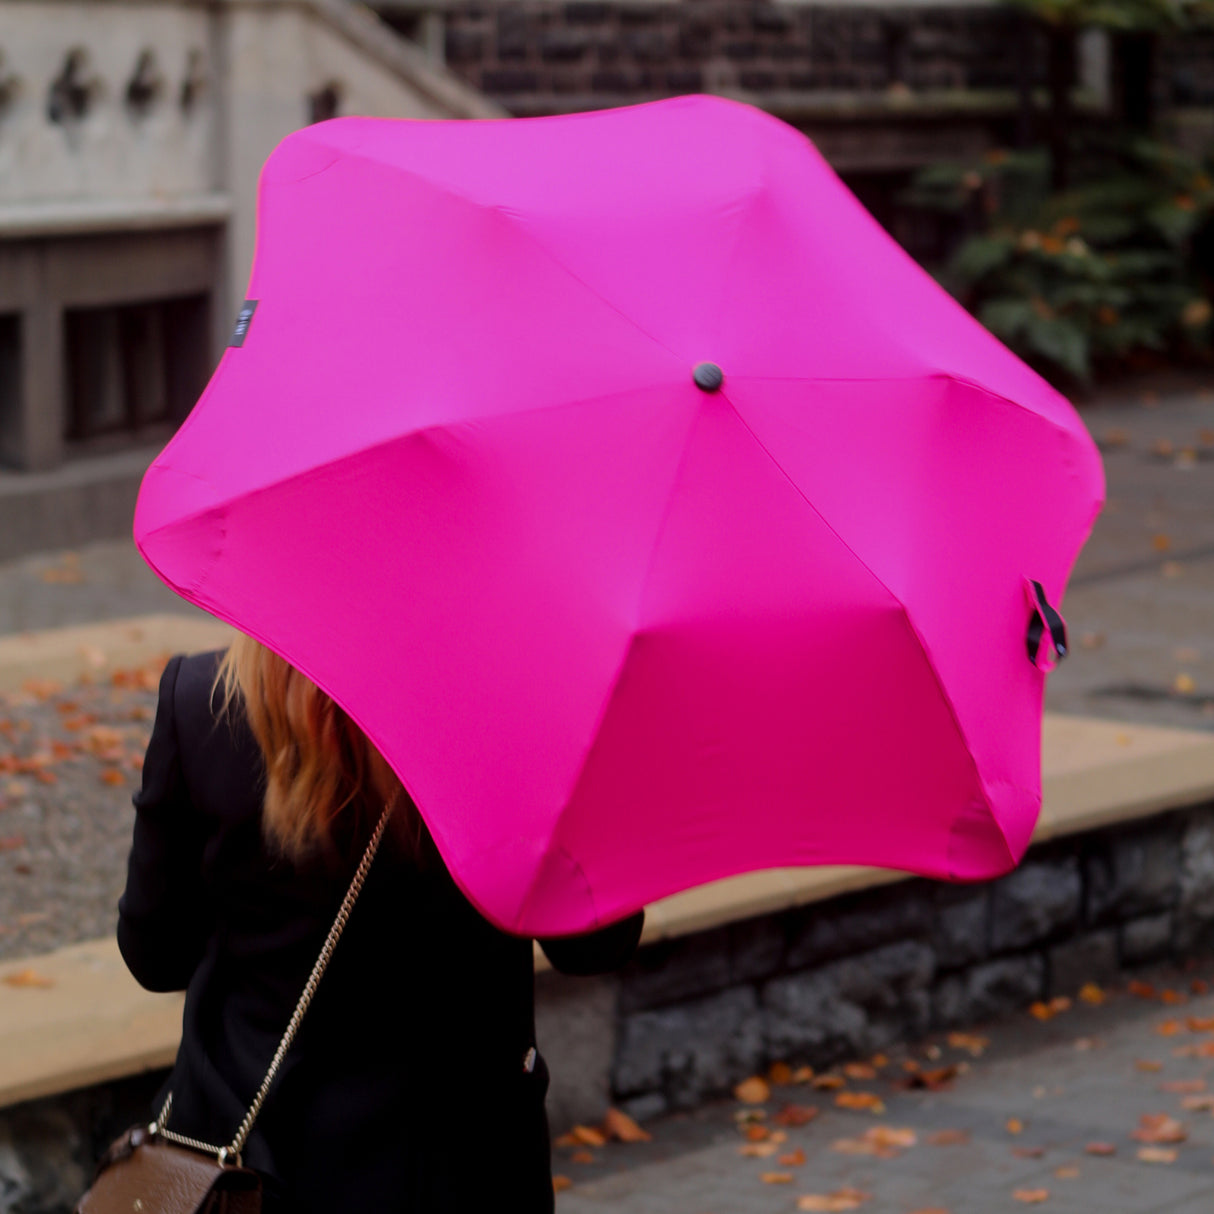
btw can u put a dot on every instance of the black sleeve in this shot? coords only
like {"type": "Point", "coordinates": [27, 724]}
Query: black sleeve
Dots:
{"type": "Point", "coordinates": [596, 952]}
{"type": "Point", "coordinates": [163, 925]}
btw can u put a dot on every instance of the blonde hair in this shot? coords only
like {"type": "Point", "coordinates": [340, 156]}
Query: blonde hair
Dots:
{"type": "Point", "coordinates": [317, 760]}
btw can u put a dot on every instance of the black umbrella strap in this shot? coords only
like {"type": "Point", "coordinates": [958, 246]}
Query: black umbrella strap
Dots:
{"type": "Point", "coordinates": [1044, 618]}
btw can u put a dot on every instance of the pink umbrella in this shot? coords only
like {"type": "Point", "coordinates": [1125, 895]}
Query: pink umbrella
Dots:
{"type": "Point", "coordinates": [656, 516]}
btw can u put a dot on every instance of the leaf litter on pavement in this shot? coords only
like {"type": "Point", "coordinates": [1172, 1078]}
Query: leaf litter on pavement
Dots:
{"type": "Point", "coordinates": [70, 758]}
{"type": "Point", "coordinates": [909, 1074]}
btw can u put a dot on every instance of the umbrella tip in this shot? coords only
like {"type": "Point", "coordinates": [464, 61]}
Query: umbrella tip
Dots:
{"type": "Point", "coordinates": [708, 376]}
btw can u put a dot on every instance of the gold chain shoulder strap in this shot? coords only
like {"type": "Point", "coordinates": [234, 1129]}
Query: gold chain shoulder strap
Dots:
{"type": "Point", "coordinates": [231, 1153]}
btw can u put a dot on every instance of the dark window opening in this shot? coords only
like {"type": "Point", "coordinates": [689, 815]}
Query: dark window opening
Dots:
{"type": "Point", "coordinates": [324, 104]}
{"type": "Point", "coordinates": [10, 390]}
{"type": "Point", "coordinates": [134, 367]}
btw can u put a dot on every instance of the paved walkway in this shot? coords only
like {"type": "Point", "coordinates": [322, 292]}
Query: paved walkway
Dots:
{"type": "Point", "coordinates": [1141, 601]}
{"type": "Point", "coordinates": [1013, 1130]}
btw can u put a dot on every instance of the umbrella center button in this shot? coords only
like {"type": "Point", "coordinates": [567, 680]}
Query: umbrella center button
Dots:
{"type": "Point", "coordinates": [708, 376]}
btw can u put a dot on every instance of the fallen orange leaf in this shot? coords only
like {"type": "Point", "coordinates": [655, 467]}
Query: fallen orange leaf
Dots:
{"type": "Point", "coordinates": [756, 1133]}
{"type": "Point", "coordinates": [1028, 1152]}
{"type": "Point", "coordinates": [1161, 543]}
{"type": "Point", "coordinates": [861, 1102]}
{"type": "Point", "coordinates": [892, 1136]}
{"type": "Point", "coordinates": [795, 1115]}
{"type": "Point", "coordinates": [859, 1070]}
{"type": "Point", "coordinates": [1091, 994]}
{"type": "Point", "coordinates": [1144, 990]}
{"type": "Point", "coordinates": [41, 689]}
{"type": "Point", "coordinates": [1100, 1148]}
{"type": "Point", "coordinates": [885, 1142]}
{"type": "Point", "coordinates": [582, 1156]}
{"type": "Point", "coordinates": [753, 1090]}
{"type": "Point", "coordinates": [619, 1125]}
{"type": "Point", "coordinates": [1169, 1028]}
{"type": "Point", "coordinates": [840, 1199]}
{"type": "Point", "coordinates": [28, 978]}
{"type": "Point", "coordinates": [864, 1146]}
{"type": "Point", "coordinates": [1014, 1125]}
{"type": "Point", "coordinates": [934, 1080]}
{"type": "Point", "coordinates": [1159, 1127]}
{"type": "Point", "coordinates": [1066, 1172]}
{"type": "Point", "coordinates": [1157, 1154]}
{"type": "Point", "coordinates": [780, 1073]}
{"type": "Point", "coordinates": [828, 1083]}
{"type": "Point", "coordinates": [758, 1150]}
{"type": "Point", "coordinates": [1200, 1024]}
{"type": "Point", "coordinates": [949, 1138]}
{"type": "Point", "coordinates": [561, 1183]}
{"type": "Point", "coordinates": [1031, 1197]}
{"type": "Point", "coordinates": [793, 1159]}
{"type": "Point", "coordinates": [587, 1136]}
{"type": "Point", "coordinates": [12, 842]}
{"type": "Point", "coordinates": [1181, 1086]}
{"type": "Point", "coordinates": [969, 1042]}
{"type": "Point", "coordinates": [1170, 996]}
{"type": "Point", "coordinates": [1204, 1050]}
{"type": "Point", "coordinates": [803, 1074]}
{"type": "Point", "coordinates": [776, 1177]}
{"type": "Point", "coordinates": [1198, 1104]}
{"type": "Point", "coordinates": [1148, 1064]}
{"type": "Point", "coordinates": [112, 775]}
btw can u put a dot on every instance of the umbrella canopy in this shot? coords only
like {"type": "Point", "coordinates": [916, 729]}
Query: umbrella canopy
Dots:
{"type": "Point", "coordinates": [651, 511]}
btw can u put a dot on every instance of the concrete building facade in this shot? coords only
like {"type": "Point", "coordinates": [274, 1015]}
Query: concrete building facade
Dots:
{"type": "Point", "coordinates": [132, 133]}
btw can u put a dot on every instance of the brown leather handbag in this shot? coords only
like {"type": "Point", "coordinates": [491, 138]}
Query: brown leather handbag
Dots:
{"type": "Point", "coordinates": [154, 1170]}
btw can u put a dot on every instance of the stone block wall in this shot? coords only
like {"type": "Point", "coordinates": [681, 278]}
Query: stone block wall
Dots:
{"type": "Point", "coordinates": [544, 55]}
{"type": "Point", "coordinates": [623, 49]}
{"type": "Point", "coordinates": [840, 979]}
{"type": "Point", "coordinates": [852, 976]}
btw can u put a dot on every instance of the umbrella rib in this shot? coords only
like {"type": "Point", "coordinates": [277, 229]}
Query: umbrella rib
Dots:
{"type": "Point", "coordinates": [508, 213]}
{"type": "Point", "coordinates": [945, 697]}
{"type": "Point", "coordinates": [315, 469]}
{"type": "Point", "coordinates": [614, 683]}
{"type": "Point", "coordinates": [754, 197]}
{"type": "Point", "coordinates": [556, 261]}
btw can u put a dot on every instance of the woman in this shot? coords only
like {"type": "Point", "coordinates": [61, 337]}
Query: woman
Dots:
{"type": "Point", "coordinates": [413, 1084]}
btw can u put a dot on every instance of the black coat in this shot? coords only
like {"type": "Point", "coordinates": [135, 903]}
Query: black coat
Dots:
{"type": "Point", "coordinates": [406, 1089]}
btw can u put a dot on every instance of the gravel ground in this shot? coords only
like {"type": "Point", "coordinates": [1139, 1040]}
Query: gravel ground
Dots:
{"type": "Point", "coordinates": [69, 762]}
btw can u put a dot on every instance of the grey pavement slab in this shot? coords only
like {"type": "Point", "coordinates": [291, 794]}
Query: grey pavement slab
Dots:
{"type": "Point", "coordinates": [100, 581]}
{"type": "Point", "coordinates": [1078, 1079]}
{"type": "Point", "coordinates": [1140, 606]}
